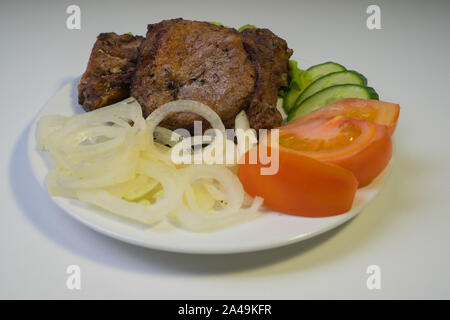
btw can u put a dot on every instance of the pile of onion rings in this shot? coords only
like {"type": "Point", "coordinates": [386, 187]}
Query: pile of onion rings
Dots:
{"type": "Point", "coordinates": [115, 159]}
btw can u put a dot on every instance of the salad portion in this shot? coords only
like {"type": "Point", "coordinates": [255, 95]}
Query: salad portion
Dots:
{"type": "Point", "coordinates": [321, 85]}
{"type": "Point", "coordinates": [324, 157]}
{"type": "Point", "coordinates": [116, 160]}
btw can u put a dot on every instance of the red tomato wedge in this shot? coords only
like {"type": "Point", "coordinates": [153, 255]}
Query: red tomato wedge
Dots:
{"type": "Point", "coordinates": [302, 186]}
{"type": "Point", "coordinates": [380, 112]}
{"type": "Point", "coordinates": [360, 146]}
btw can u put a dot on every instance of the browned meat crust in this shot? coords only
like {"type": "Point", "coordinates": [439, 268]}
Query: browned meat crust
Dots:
{"type": "Point", "coordinates": [270, 54]}
{"type": "Point", "coordinates": [182, 59]}
{"type": "Point", "coordinates": [108, 75]}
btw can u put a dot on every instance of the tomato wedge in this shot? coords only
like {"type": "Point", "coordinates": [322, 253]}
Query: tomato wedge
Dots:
{"type": "Point", "coordinates": [302, 186]}
{"type": "Point", "coordinates": [360, 146]}
{"type": "Point", "coordinates": [380, 112]}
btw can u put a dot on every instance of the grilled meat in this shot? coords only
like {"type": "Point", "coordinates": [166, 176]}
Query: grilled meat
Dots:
{"type": "Point", "coordinates": [182, 59]}
{"type": "Point", "coordinates": [270, 55]}
{"type": "Point", "coordinates": [108, 75]}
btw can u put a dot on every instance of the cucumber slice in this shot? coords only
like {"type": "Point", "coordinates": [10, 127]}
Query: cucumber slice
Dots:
{"type": "Point", "coordinates": [319, 70]}
{"type": "Point", "coordinates": [290, 98]}
{"type": "Point", "coordinates": [330, 95]}
{"type": "Point", "coordinates": [306, 78]}
{"type": "Point", "coordinates": [331, 79]}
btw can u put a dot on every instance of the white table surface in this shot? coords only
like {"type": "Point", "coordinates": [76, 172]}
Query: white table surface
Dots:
{"type": "Point", "coordinates": [405, 231]}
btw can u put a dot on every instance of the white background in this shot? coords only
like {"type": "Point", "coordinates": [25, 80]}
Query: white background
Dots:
{"type": "Point", "coordinates": [405, 230]}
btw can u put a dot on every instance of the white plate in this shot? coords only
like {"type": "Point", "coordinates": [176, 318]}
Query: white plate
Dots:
{"type": "Point", "coordinates": [268, 231]}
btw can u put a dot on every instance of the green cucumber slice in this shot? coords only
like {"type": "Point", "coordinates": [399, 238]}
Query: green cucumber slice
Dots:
{"type": "Point", "coordinates": [306, 78]}
{"type": "Point", "coordinates": [330, 95]}
{"type": "Point", "coordinates": [290, 98]}
{"type": "Point", "coordinates": [319, 70]}
{"type": "Point", "coordinates": [331, 79]}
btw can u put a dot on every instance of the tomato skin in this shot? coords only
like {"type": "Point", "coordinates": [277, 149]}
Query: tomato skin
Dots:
{"type": "Point", "coordinates": [380, 112]}
{"type": "Point", "coordinates": [302, 186]}
{"type": "Point", "coordinates": [367, 164]}
{"type": "Point", "coordinates": [366, 156]}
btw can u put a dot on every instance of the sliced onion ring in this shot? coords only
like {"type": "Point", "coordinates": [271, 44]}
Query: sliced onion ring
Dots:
{"type": "Point", "coordinates": [157, 116]}
{"type": "Point", "coordinates": [100, 150]}
{"type": "Point", "coordinates": [233, 188]}
{"type": "Point", "coordinates": [143, 213]}
{"type": "Point", "coordinates": [46, 126]}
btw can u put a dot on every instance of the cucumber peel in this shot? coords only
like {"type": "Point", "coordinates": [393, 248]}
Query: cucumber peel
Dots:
{"type": "Point", "coordinates": [331, 79]}
{"type": "Point", "coordinates": [315, 72]}
{"type": "Point", "coordinates": [330, 95]}
{"type": "Point", "coordinates": [302, 80]}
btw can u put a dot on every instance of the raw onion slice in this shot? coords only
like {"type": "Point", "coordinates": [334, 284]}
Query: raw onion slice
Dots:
{"type": "Point", "coordinates": [135, 189]}
{"type": "Point", "coordinates": [112, 174]}
{"type": "Point", "coordinates": [234, 192]}
{"type": "Point", "coordinates": [89, 145]}
{"type": "Point", "coordinates": [157, 116]}
{"type": "Point", "coordinates": [280, 109]}
{"type": "Point", "coordinates": [166, 136]}
{"type": "Point", "coordinates": [55, 188]}
{"type": "Point", "coordinates": [143, 213]}
{"type": "Point", "coordinates": [241, 121]}
{"type": "Point", "coordinates": [109, 158]}
{"type": "Point", "coordinates": [214, 191]}
{"type": "Point", "coordinates": [246, 137]}
{"type": "Point", "coordinates": [196, 223]}
{"type": "Point", "coordinates": [46, 126]}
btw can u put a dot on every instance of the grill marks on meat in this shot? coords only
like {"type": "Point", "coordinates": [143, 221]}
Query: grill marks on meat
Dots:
{"type": "Point", "coordinates": [182, 59]}
{"type": "Point", "coordinates": [270, 55]}
{"type": "Point", "coordinates": [109, 72]}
